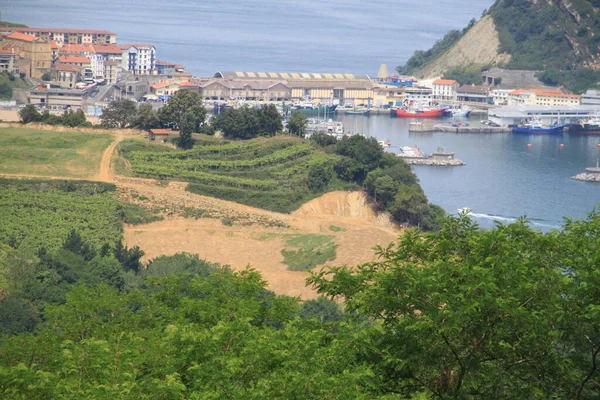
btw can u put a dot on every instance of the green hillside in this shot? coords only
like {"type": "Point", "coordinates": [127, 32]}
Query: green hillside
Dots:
{"type": "Point", "coordinates": [560, 38]}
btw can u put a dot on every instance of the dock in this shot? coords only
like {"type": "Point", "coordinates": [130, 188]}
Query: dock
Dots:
{"type": "Point", "coordinates": [418, 126]}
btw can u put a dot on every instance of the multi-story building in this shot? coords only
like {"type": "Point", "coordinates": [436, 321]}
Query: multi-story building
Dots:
{"type": "Point", "coordinates": [7, 61]}
{"type": "Point", "coordinates": [84, 64]}
{"type": "Point", "coordinates": [444, 89]}
{"type": "Point", "coordinates": [417, 95]}
{"type": "Point", "coordinates": [67, 75]}
{"type": "Point", "coordinates": [35, 53]}
{"type": "Point", "coordinates": [111, 71]}
{"type": "Point", "coordinates": [60, 99]}
{"type": "Point", "coordinates": [591, 97]}
{"type": "Point", "coordinates": [139, 59]}
{"type": "Point", "coordinates": [500, 96]}
{"type": "Point", "coordinates": [536, 97]}
{"type": "Point", "coordinates": [62, 36]}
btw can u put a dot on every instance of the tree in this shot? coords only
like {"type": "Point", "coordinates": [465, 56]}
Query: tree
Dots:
{"type": "Point", "coordinates": [190, 122]}
{"type": "Point", "coordinates": [472, 313]}
{"type": "Point", "coordinates": [241, 123]}
{"type": "Point", "coordinates": [323, 139]}
{"type": "Point", "coordinates": [119, 114]}
{"type": "Point", "coordinates": [5, 91]}
{"type": "Point", "coordinates": [29, 114]}
{"type": "Point", "coordinates": [46, 77]}
{"type": "Point", "coordinates": [129, 257]}
{"type": "Point", "coordinates": [297, 123]}
{"type": "Point", "coordinates": [319, 176]}
{"type": "Point", "coordinates": [270, 120]}
{"type": "Point", "coordinates": [73, 119]}
{"type": "Point", "coordinates": [146, 118]}
{"type": "Point", "coordinates": [172, 113]}
{"type": "Point", "coordinates": [365, 153]}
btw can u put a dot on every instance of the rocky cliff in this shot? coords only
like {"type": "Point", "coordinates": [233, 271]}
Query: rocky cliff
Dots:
{"type": "Point", "coordinates": [524, 34]}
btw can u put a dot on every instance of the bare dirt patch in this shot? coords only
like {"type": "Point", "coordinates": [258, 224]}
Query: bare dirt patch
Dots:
{"type": "Point", "coordinates": [256, 237]}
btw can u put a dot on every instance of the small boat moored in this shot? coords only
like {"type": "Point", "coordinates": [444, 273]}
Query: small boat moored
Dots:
{"type": "Point", "coordinates": [535, 125]}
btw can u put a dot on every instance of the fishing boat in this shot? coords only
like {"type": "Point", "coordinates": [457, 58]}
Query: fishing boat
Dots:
{"type": "Point", "coordinates": [358, 111]}
{"type": "Point", "coordinates": [535, 125]}
{"type": "Point", "coordinates": [589, 126]}
{"type": "Point", "coordinates": [309, 109]}
{"type": "Point", "coordinates": [421, 112]}
{"type": "Point", "coordinates": [462, 111]}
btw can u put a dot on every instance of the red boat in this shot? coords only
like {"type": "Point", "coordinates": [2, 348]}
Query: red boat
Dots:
{"type": "Point", "coordinates": [420, 113]}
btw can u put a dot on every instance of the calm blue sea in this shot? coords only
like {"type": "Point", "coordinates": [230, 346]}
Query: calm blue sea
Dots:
{"type": "Point", "coordinates": [347, 36]}
{"type": "Point", "coordinates": [503, 178]}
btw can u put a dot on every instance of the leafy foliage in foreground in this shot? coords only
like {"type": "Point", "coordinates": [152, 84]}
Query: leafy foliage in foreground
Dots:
{"type": "Point", "coordinates": [461, 313]}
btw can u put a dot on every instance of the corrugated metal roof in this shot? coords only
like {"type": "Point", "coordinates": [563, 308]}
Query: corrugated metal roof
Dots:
{"type": "Point", "coordinates": [290, 75]}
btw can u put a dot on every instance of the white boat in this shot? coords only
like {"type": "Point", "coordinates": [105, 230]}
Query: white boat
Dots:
{"type": "Point", "coordinates": [384, 143]}
{"type": "Point", "coordinates": [464, 211]}
{"type": "Point", "coordinates": [462, 111]}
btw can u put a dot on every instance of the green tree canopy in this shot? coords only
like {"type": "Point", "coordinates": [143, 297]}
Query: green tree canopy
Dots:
{"type": "Point", "coordinates": [297, 124]}
{"type": "Point", "coordinates": [270, 120]}
{"type": "Point", "coordinates": [119, 114]}
{"type": "Point", "coordinates": [172, 113]}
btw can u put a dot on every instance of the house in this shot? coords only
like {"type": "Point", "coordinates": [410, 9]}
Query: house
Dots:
{"type": "Point", "coordinates": [84, 63]}
{"type": "Point", "coordinates": [472, 94]}
{"type": "Point", "coordinates": [33, 56]}
{"type": "Point", "coordinates": [87, 51]}
{"type": "Point", "coordinates": [165, 68]}
{"type": "Point", "coordinates": [444, 89]}
{"type": "Point", "coordinates": [111, 71]}
{"type": "Point", "coordinates": [139, 59]}
{"type": "Point", "coordinates": [159, 133]}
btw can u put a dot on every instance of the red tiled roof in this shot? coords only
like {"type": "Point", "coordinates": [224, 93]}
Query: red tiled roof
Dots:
{"type": "Point", "coordinates": [188, 84]}
{"type": "Point", "coordinates": [107, 48]}
{"type": "Point", "coordinates": [67, 68]}
{"type": "Point", "coordinates": [74, 60]}
{"type": "Point", "coordinates": [163, 84]}
{"type": "Point", "coordinates": [53, 44]}
{"type": "Point", "coordinates": [70, 48]}
{"type": "Point", "coordinates": [22, 36]}
{"type": "Point", "coordinates": [159, 62]}
{"type": "Point", "coordinates": [160, 131]}
{"type": "Point", "coordinates": [444, 82]}
{"type": "Point", "coordinates": [549, 93]}
{"type": "Point", "coordinates": [62, 30]}
{"type": "Point", "coordinates": [7, 51]}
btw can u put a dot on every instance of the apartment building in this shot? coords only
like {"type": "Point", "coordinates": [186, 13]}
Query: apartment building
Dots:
{"type": "Point", "coordinates": [444, 89]}
{"type": "Point", "coordinates": [536, 97]}
{"type": "Point", "coordinates": [139, 59]}
{"type": "Point", "coordinates": [63, 36]}
{"type": "Point", "coordinates": [7, 61]}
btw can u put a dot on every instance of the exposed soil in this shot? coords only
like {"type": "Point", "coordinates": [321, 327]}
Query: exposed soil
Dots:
{"type": "Point", "coordinates": [479, 46]}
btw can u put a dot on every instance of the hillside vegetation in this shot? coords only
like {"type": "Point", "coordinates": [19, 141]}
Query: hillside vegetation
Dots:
{"type": "Point", "coordinates": [281, 173]}
{"type": "Point", "coordinates": [562, 35]}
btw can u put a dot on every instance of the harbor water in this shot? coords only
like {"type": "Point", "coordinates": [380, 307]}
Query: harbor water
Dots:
{"type": "Point", "coordinates": [503, 178]}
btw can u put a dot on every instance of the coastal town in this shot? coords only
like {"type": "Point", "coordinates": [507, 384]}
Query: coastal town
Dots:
{"type": "Point", "coordinates": [82, 69]}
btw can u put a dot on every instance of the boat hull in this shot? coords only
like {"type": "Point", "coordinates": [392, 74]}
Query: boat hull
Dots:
{"type": "Point", "coordinates": [578, 129]}
{"type": "Point", "coordinates": [314, 111]}
{"type": "Point", "coordinates": [366, 112]}
{"type": "Point", "coordinates": [536, 130]}
{"type": "Point", "coordinates": [420, 113]}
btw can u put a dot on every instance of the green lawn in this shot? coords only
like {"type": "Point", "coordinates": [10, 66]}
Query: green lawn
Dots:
{"type": "Point", "coordinates": [46, 153]}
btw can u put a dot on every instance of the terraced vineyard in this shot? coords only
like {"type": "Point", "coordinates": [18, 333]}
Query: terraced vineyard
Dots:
{"type": "Point", "coordinates": [270, 173]}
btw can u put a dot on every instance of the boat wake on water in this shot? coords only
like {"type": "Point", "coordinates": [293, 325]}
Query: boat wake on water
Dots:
{"type": "Point", "coordinates": [510, 220]}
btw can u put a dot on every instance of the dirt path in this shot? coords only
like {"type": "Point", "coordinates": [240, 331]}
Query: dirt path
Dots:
{"type": "Point", "coordinates": [105, 174]}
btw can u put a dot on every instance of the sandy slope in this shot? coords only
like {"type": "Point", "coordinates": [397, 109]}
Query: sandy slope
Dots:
{"type": "Point", "coordinates": [479, 46]}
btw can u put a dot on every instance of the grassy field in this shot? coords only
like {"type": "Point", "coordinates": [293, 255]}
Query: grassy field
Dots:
{"type": "Point", "coordinates": [269, 173]}
{"type": "Point", "coordinates": [47, 153]}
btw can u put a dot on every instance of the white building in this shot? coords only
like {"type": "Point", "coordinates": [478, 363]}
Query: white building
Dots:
{"type": "Point", "coordinates": [534, 97]}
{"type": "Point", "coordinates": [500, 96]}
{"type": "Point", "coordinates": [417, 95]}
{"type": "Point", "coordinates": [444, 89]}
{"type": "Point", "coordinates": [591, 97]}
{"type": "Point", "coordinates": [139, 59]}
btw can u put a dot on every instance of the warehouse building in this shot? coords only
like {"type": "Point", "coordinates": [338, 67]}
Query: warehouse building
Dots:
{"type": "Point", "coordinates": [316, 87]}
